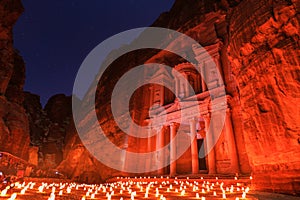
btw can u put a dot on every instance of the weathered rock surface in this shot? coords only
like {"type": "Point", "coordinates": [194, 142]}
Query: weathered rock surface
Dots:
{"type": "Point", "coordinates": [259, 59]}
{"type": "Point", "coordinates": [58, 108]}
{"type": "Point", "coordinates": [14, 91]}
{"type": "Point", "coordinates": [14, 134]}
{"type": "Point", "coordinates": [265, 58]}
{"type": "Point", "coordinates": [260, 66]}
{"type": "Point", "coordinates": [10, 11]}
{"type": "Point", "coordinates": [59, 113]}
{"type": "Point", "coordinates": [205, 24]}
{"type": "Point", "coordinates": [38, 120]}
{"type": "Point", "coordinates": [48, 127]}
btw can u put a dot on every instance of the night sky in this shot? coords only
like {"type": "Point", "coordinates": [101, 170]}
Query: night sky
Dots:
{"type": "Point", "coordinates": [54, 36]}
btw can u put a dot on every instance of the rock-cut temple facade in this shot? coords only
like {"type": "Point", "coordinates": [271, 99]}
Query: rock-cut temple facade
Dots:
{"type": "Point", "coordinates": [189, 99]}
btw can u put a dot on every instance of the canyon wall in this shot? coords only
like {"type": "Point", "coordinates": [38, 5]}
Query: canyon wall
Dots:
{"type": "Point", "coordinates": [48, 127]}
{"type": "Point", "coordinates": [259, 56]}
{"type": "Point", "coordinates": [259, 59]}
{"type": "Point", "coordinates": [14, 129]}
{"type": "Point", "coordinates": [26, 130]}
{"type": "Point", "coordinates": [265, 57]}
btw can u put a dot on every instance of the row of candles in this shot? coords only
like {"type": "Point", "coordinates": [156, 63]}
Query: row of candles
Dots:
{"type": "Point", "coordinates": [137, 188]}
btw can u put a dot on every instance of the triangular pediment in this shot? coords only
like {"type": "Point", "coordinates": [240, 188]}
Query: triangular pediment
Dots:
{"type": "Point", "coordinates": [162, 73]}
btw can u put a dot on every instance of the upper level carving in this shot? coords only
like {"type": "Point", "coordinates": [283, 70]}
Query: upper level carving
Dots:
{"type": "Point", "coordinates": [188, 79]}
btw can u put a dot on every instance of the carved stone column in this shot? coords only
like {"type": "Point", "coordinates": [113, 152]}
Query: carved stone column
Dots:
{"type": "Point", "coordinates": [186, 81]}
{"type": "Point", "coordinates": [198, 86]}
{"type": "Point", "coordinates": [124, 157]}
{"type": "Point", "coordinates": [181, 88]}
{"type": "Point", "coordinates": [209, 146]}
{"type": "Point", "coordinates": [173, 130]}
{"type": "Point", "coordinates": [176, 87]}
{"type": "Point", "coordinates": [229, 136]}
{"type": "Point", "coordinates": [202, 68]}
{"type": "Point", "coordinates": [159, 146]}
{"type": "Point", "coordinates": [216, 59]}
{"type": "Point", "coordinates": [149, 149]}
{"type": "Point", "coordinates": [194, 149]}
{"type": "Point", "coordinates": [151, 95]}
{"type": "Point", "coordinates": [162, 95]}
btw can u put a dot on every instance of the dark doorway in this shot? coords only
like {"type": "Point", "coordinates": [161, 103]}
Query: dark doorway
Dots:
{"type": "Point", "coordinates": [202, 161]}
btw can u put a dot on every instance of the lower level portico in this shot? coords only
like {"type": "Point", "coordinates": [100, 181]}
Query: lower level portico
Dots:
{"type": "Point", "coordinates": [199, 149]}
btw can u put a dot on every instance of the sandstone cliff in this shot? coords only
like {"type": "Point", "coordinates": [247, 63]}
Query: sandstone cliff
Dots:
{"type": "Point", "coordinates": [260, 64]}
{"type": "Point", "coordinates": [48, 128]}
{"type": "Point", "coordinates": [205, 21]}
{"type": "Point", "coordinates": [264, 53]}
{"type": "Point", "coordinates": [14, 136]}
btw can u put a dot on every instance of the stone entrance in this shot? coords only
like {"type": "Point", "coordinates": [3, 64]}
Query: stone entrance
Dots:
{"type": "Point", "coordinates": [201, 160]}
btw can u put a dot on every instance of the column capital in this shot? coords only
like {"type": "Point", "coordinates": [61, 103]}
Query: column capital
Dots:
{"type": "Point", "coordinates": [158, 128]}
{"type": "Point", "coordinates": [164, 128]}
{"type": "Point", "coordinates": [174, 124]}
{"type": "Point", "coordinates": [193, 119]}
{"type": "Point", "coordinates": [206, 116]}
{"type": "Point", "coordinates": [228, 111]}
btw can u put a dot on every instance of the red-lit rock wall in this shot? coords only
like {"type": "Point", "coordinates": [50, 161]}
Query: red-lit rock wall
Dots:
{"type": "Point", "coordinates": [48, 127]}
{"type": "Point", "coordinates": [14, 130]}
{"type": "Point", "coordinates": [259, 59]}
{"type": "Point", "coordinates": [78, 163]}
{"type": "Point", "coordinates": [265, 59]}
{"type": "Point", "coordinates": [202, 20]}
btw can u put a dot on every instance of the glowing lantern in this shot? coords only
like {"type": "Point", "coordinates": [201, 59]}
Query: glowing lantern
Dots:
{"type": "Point", "coordinates": [23, 191]}
{"type": "Point", "coordinates": [224, 195]}
{"type": "Point", "coordinates": [13, 196]}
{"type": "Point", "coordinates": [41, 188]}
{"type": "Point", "coordinates": [244, 195]}
{"type": "Point", "coordinates": [182, 192]}
{"type": "Point", "coordinates": [247, 189]}
{"type": "Point", "coordinates": [53, 190]}
{"type": "Point", "coordinates": [133, 193]}
{"type": "Point", "coordinates": [157, 193]}
{"type": "Point", "coordinates": [52, 196]}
